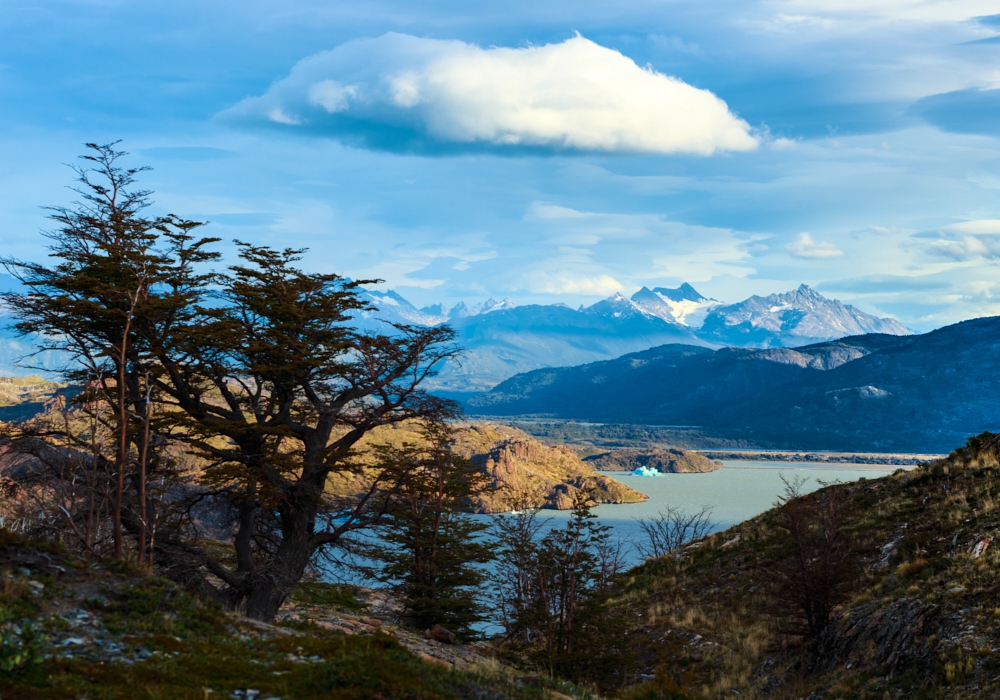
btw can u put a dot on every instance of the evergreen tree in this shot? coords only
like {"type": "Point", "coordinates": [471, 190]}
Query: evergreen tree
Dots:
{"type": "Point", "coordinates": [431, 548]}
{"type": "Point", "coordinates": [267, 380]}
{"type": "Point", "coordinates": [554, 601]}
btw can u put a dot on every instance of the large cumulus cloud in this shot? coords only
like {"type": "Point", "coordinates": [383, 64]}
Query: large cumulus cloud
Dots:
{"type": "Point", "coordinates": [403, 92]}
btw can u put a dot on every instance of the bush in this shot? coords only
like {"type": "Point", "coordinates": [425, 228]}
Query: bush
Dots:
{"type": "Point", "coordinates": [20, 648]}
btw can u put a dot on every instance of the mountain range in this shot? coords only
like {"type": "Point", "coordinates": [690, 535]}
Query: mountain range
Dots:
{"type": "Point", "coordinates": [500, 339]}
{"type": "Point", "coordinates": [876, 392]}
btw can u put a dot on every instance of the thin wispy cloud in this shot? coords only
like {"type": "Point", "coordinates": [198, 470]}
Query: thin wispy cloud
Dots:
{"type": "Point", "coordinates": [400, 91]}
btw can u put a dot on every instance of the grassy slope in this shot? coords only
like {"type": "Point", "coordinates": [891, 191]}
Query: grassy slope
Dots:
{"type": "Point", "coordinates": [924, 625]}
{"type": "Point", "coordinates": [196, 651]}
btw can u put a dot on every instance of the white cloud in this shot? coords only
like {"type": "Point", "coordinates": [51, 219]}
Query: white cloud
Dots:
{"type": "Point", "coordinates": [966, 247]}
{"type": "Point", "coordinates": [805, 247]}
{"type": "Point", "coordinates": [541, 210]}
{"type": "Point", "coordinates": [574, 95]}
{"type": "Point", "coordinates": [565, 282]}
{"type": "Point", "coordinates": [974, 227]}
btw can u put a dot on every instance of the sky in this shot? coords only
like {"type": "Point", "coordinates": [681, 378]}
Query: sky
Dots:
{"type": "Point", "coordinates": [542, 152]}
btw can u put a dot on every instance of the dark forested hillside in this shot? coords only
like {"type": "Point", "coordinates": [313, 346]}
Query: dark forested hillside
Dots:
{"type": "Point", "coordinates": [871, 392]}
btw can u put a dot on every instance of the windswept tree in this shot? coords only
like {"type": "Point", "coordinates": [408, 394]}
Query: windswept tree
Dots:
{"type": "Point", "coordinates": [258, 370]}
{"type": "Point", "coordinates": [122, 280]}
{"type": "Point", "coordinates": [555, 587]}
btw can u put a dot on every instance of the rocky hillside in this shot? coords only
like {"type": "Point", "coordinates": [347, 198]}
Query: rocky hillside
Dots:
{"type": "Point", "coordinates": [672, 460]}
{"type": "Point", "coordinates": [78, 629]}
{"type": "Point", "coordinates": [515, 462]}
{"type": "Point", "coordinates": [23, 397]}
{"type": "Point", "coordinates": [919, 618]}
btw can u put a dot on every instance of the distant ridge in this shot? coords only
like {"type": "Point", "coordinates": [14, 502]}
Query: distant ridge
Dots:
{"type": "Point", "coordinates": [874, 392]}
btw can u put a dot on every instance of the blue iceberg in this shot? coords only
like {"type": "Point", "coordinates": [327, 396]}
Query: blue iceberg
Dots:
{"type": "Point", "coordinates": [646, 471]}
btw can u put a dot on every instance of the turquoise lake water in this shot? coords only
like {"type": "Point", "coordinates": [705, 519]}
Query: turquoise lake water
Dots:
{"type": "Point", "coordinates": [736, 492]}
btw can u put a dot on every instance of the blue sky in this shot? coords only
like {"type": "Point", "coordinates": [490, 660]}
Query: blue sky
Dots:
{"type": "Point", "coordinates": [545, 152]}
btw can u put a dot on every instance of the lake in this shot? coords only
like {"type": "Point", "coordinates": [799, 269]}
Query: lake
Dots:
{"type": "Point", "coordinates": [736, 492]}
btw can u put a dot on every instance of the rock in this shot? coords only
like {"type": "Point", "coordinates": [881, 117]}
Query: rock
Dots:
{"type": "Point", "coordinates": [734, 540]}
{"type": "Point", "coordinates": [888, 550]}
{"type": "Point", "coordinates": [440, 634]}
{"type": "Point", "coordinates": [980, 547]}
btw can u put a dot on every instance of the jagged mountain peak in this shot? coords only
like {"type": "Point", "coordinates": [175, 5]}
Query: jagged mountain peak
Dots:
{"type": "Point", "coordinates": [797, 317]}
{"type": "Point", "coordinates": [683, 293]}
{"type": "Point", "coordinates": [683, 306]}
{"type": "Point", "coordinates": [617, 306]}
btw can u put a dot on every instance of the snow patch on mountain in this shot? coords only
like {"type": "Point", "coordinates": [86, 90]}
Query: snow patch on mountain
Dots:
{"type": "Point", "coordinates": [683, 306]}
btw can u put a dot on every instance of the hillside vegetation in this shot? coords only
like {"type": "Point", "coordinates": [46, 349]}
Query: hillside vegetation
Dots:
{"type": "Point", "coordinates": [920, 618]}
{"type": "Point", "coordinates": [76, 629]}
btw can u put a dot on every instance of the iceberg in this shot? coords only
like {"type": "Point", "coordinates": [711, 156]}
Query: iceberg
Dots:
{"type": "Point", "coordinates": [646, 471]}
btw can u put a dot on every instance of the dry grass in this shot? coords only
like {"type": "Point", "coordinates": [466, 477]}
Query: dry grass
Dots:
{"type": "Point", "coordinates": [721, 638]}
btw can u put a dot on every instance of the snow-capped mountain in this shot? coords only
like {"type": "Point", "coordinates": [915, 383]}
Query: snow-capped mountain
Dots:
{"type": "Point", "coordinates": [683, 305]}
{"type": "Point", "coordinates": [389, 307]}
{"type": "Point", "coordinates": [799, 317]}
{"type": "Point", "coordinates": [460, 310]}
{"type": "Point", "coordinates": [621, 308]}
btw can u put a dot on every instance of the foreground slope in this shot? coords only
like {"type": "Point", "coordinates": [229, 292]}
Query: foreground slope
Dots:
{"type": "Point", "coordinates": [871, 392]}
{"type": "Point", "coordinates": [921, 621]}
{"type": "Point", "coordinates": [105, 630]}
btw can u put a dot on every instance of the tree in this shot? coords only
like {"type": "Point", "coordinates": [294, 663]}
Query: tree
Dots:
{"type": "Point", "coordinates": [121, 279]}
{"type": "Point", "coordinates": [819, 566]}
{"type": "Point", "coordinates": [673, 528]}
{"type": "Point", "coordinates": [429, 545]}
{"type": "Point", "coordinates": [555, 596]}
{"type": "Point", "coordinates": [516, 534]}
{"type": "Point", "coordinates": [257, 370]}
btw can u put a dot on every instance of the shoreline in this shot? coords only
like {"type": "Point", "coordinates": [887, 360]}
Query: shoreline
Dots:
{"type": "Point", "coordinates": [818, 457]}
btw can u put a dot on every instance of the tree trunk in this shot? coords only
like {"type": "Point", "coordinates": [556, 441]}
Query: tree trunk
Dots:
{"type": "Point", "coordinates": [267, 592]}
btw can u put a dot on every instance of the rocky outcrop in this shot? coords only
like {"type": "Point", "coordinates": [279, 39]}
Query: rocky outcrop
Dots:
{"type": "Point", "coordinates": [893, 637]}
{"type": "Point", "coordinates": [672, 461]}
{"type": "Point", "coordinates": [555, 474]}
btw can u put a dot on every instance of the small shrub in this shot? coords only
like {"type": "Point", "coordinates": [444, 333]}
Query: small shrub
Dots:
{"type": "Point", "coordinates": [911, 568]}
{"type": "Point", "coordinates": [16, 601]}
{"type": "Point", "coordinates": [20, 648]}
{"type": "Point", "coordinates": [326, 595]}
{"type": "Point", "coordinates": [661, 687]}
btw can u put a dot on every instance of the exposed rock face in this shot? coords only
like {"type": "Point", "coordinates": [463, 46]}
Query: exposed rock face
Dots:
{"type": "Point", "coordinates": [673, 461]}
{"type": "Point", "coordinates": [514, 461]}
{"type": "Point", "coordinates": [894, 636]}
{"type": "Point", "coordinates": [556, 474]}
